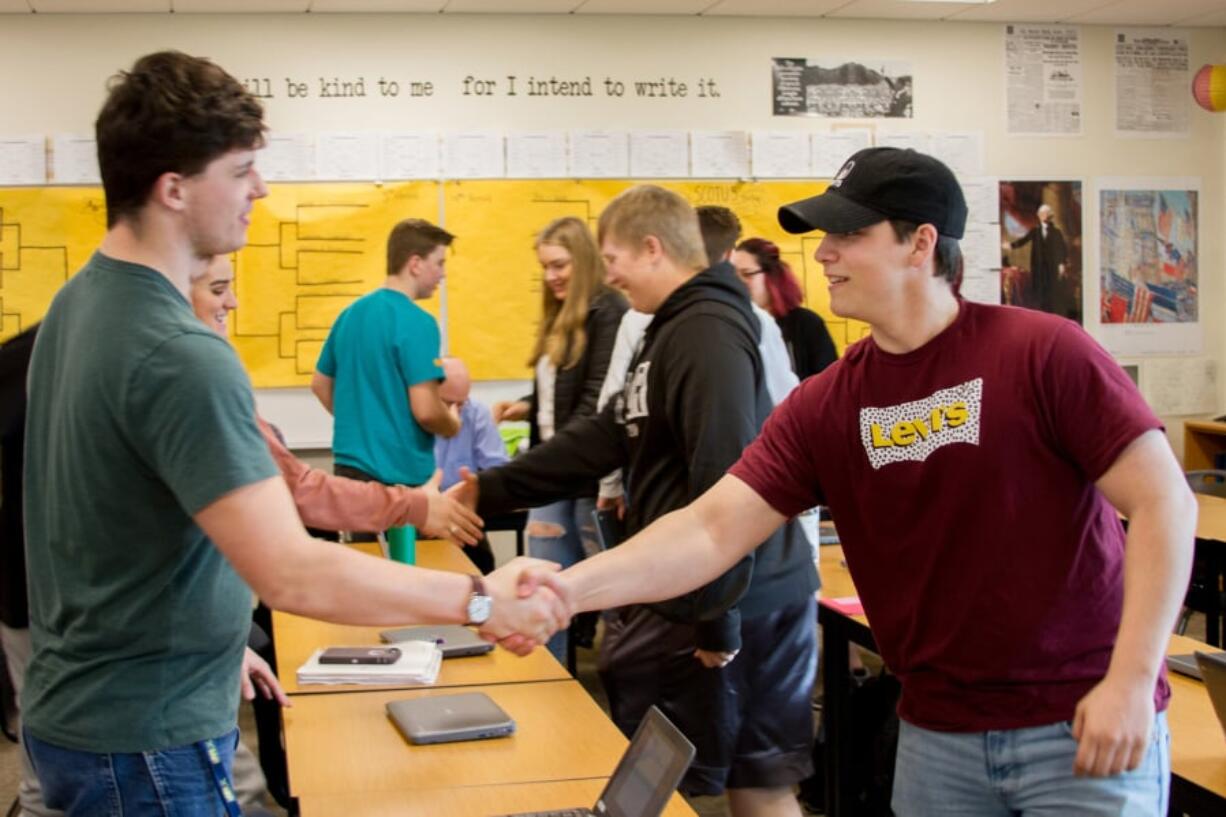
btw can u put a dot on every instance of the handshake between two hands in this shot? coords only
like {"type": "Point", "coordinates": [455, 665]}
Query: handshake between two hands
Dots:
{"type": "Point", "coordinates": [531, 601]}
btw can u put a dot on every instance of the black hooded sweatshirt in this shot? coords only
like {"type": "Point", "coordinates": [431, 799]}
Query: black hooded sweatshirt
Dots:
{"type": "Point", "coordinates": [694, 397]}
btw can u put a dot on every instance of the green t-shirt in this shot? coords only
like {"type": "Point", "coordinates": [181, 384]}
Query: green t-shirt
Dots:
{"type": "Point", "coordinates": [382, 344]}
{"type": "Point", "coordinates": [139, 417]}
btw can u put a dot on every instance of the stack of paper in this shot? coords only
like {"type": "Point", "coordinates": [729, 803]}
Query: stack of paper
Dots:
{"type": "Point", "coordinates": [418, 663]}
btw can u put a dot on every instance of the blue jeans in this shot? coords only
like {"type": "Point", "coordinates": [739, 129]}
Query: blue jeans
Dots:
{"type": "Point", "coordinates": [1021, 772]}
{"type": "Point", "coordinates": [177, 782]}
{"type": "Point", "coordinates": [563, 532]}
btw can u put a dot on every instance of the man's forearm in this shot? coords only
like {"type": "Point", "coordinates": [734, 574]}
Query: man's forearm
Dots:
{"type": "Point", "coordinates": [440, 421]}
{"type": "Point", "coordinates": [677, 553]}
{"type": "Point", "coordinates": [334, 583]}
{"type": "Point", "coordinates": [1157, 563]}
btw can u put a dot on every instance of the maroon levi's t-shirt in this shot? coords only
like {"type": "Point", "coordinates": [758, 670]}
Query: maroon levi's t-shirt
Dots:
{"type": "Point", "coordinates": [961, 476]}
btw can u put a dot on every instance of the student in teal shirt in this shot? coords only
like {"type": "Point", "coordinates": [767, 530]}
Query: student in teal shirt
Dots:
{"type": "Point", "coordinates": [379, 371]}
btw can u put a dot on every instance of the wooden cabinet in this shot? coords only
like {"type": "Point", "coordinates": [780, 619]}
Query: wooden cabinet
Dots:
{"type": "Point", "coordinates": [1204, 445]}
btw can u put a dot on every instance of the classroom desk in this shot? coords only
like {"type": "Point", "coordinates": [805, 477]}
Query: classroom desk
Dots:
{"type": "Point", "coordinates": [473, 801]}
{"type": "Point", "coordinates": [345, 743]}
{"type": "Point", "coordinates": [838, 631]}
{"type": "Point", "coordinates": [1198, 746]}
{"type": "Point", "coordinates": [1211, 546]}
{"type": "Point", "coordinates": [1198, 742]}
{"type": "Point", "coordinates": [436, 554]}
{"type": "Point", "coordinates": [297, 637]}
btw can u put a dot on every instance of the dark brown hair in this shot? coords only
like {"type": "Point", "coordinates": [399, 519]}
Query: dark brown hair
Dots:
{"type": "Point", "coordinates": [172, 113]}
{"type": "Point", "coordinates": [720, 230]}
{"type": "Point", "coordinates": [413, 236]}
{"type": "Point", "coordinates": [946, 257]}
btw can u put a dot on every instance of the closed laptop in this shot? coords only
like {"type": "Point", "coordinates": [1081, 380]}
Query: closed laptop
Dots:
{"type": "Point", "coordinates": [450, 718]}
{"type": "Point", "coordinates": [454, 640]}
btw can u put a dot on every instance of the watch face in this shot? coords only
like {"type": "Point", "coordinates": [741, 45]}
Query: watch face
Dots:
{"type": "Point", "coordinates": [478, 609]}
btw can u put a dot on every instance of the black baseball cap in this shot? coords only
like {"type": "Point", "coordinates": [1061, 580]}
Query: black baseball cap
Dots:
{"type": "Point", "coordinates": [877, 184]}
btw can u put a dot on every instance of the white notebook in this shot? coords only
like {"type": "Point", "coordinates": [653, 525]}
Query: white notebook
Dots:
{"type": "Point", "coordinates": [419, 663]}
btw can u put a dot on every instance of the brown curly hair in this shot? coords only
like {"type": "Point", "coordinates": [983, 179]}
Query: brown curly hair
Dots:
{"type": "Point", "coordinates": [172, 113]}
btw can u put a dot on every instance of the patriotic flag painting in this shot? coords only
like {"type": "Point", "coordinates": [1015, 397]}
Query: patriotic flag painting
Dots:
{"type": "Point", "coordinates": [1149, 256]}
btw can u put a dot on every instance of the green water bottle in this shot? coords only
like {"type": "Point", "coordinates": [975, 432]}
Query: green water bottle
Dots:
{"type": "Point", "coordinates": [402, 544]}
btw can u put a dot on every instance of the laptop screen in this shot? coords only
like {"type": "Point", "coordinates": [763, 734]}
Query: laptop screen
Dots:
{"type": "Point", "coordinates": [649, 772]}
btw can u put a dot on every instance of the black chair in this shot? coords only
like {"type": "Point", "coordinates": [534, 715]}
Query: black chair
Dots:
{"type": "Point", "coordinates": [1212, 482]}
{"type": "Point", "coordinates": [1205, 590]}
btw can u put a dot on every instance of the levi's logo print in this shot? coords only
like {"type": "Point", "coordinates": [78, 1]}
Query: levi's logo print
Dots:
{"type": "Point", "coordinates": [912, 431]}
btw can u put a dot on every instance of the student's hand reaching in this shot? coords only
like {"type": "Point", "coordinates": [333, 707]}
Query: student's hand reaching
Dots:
{"type": "Point", "coordinates": [467, 491]}
{"type": "Point", "coordinates": [526, 609]}
{"type": "Point", "coordinates": [448, 518]}
{"type": "Point", "coordinates": [510, 410]}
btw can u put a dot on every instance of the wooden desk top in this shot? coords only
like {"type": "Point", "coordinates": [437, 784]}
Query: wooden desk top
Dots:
{"type": "Point", "coordinates": [1211, 519]}
{"type": "Point", "coordinates": [1198, 742]}
{"type": "Point", "coordinates": [346, 743]}
{"type": "Point", "coordinates": [436, 554]}
{"type": "Point", "coordinates": [836, 578]}
{"type": "Point", "coordinates": [297, 637]}
{"type": "Point", "coordinates": [472, 801]}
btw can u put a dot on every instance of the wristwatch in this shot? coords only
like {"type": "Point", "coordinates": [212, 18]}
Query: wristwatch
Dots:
{"type": "Point", "coordinates": [480, 605]}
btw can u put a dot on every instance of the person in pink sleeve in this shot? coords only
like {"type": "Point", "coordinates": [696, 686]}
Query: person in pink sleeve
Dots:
{"type": "Point", "coordinates": [329, 502]}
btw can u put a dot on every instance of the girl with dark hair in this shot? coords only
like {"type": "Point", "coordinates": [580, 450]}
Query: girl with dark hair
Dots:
{"type": "Point", "coordinates": [774, 287]}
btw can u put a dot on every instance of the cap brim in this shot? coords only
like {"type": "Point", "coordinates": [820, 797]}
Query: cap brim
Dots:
{"type": "Point", "coordinates": [830, 212]}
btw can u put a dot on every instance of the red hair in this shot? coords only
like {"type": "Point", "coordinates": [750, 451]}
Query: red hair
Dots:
{"type": "Point", "coordinates": [781, 284]}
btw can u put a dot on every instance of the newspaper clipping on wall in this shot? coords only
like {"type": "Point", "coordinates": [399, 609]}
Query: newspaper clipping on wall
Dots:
{"type": "Point", "coordinates": [1043, 79]}
{"type": "Point", "coordinates": [1151, 83]}
{"type": "Point", "coordinates": [869, 89]}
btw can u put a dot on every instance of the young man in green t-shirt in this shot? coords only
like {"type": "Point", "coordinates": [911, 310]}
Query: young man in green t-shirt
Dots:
{"type": "Point", "coordinates": [152, 506]}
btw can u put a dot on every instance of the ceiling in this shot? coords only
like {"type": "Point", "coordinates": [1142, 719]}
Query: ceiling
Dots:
{"type": "Point", "coordinates": [1089, 12]}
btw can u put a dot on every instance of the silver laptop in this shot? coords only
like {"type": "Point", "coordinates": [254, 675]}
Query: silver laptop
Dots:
{"type": "Point", "coordinates": [1213, 671]}
{"type": "Point", "coordinates": [450, 718]}
{"type": "Point", "coordinates": [455, 640]}
{"type": "Point", "coordinates": [645, 777]}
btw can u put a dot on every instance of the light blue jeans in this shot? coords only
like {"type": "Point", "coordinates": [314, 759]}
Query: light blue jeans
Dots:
{"type": "Point", "coordinates": [176, 782]}
{"type": "Point", "coordinates": [1021, 772]}
{"type": "Point", "coordinates": [563, 532]}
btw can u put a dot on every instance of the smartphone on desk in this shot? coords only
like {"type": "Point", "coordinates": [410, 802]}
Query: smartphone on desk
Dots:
{"type": "Point", "coordinates": [360, 655]}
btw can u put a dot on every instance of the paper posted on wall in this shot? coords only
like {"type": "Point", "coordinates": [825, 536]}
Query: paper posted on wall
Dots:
{"type": "Point", "coordinates": [1043, 79]}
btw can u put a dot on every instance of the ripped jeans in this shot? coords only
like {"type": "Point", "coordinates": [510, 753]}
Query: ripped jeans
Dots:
{"type": "Point", "coordinates": [562, 532]}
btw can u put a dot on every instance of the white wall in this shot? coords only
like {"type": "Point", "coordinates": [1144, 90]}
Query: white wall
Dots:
{"type": "Point", "coordinates": [55, 67]}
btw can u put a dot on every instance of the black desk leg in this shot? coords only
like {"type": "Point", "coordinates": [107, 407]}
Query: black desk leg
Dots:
{"type": "Point", "coordinates": [1213, 604]}
{"type": "Point", "coordinates": [836, 698]}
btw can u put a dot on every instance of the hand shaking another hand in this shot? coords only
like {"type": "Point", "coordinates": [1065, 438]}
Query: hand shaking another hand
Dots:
{"type": "Point", "coordinates": [531, 602]}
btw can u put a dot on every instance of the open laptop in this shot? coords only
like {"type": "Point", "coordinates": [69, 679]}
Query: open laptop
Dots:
{"type": "Point", "coordinates": [1213, 670]}
{"type": "Point", "coordinates": [455, 640]}
{"type": "Point", "coordinates": [450, 718]}
{"type": "Point", "coordinates": [645, 777]}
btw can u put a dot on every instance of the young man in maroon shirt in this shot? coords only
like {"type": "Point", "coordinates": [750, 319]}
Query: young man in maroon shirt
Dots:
{"type": "Point", "coordinates": [975, 457]}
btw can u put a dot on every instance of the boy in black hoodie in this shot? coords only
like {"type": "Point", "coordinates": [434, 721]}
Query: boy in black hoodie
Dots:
{"type": "Point", "coordinates": [694, 398]}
